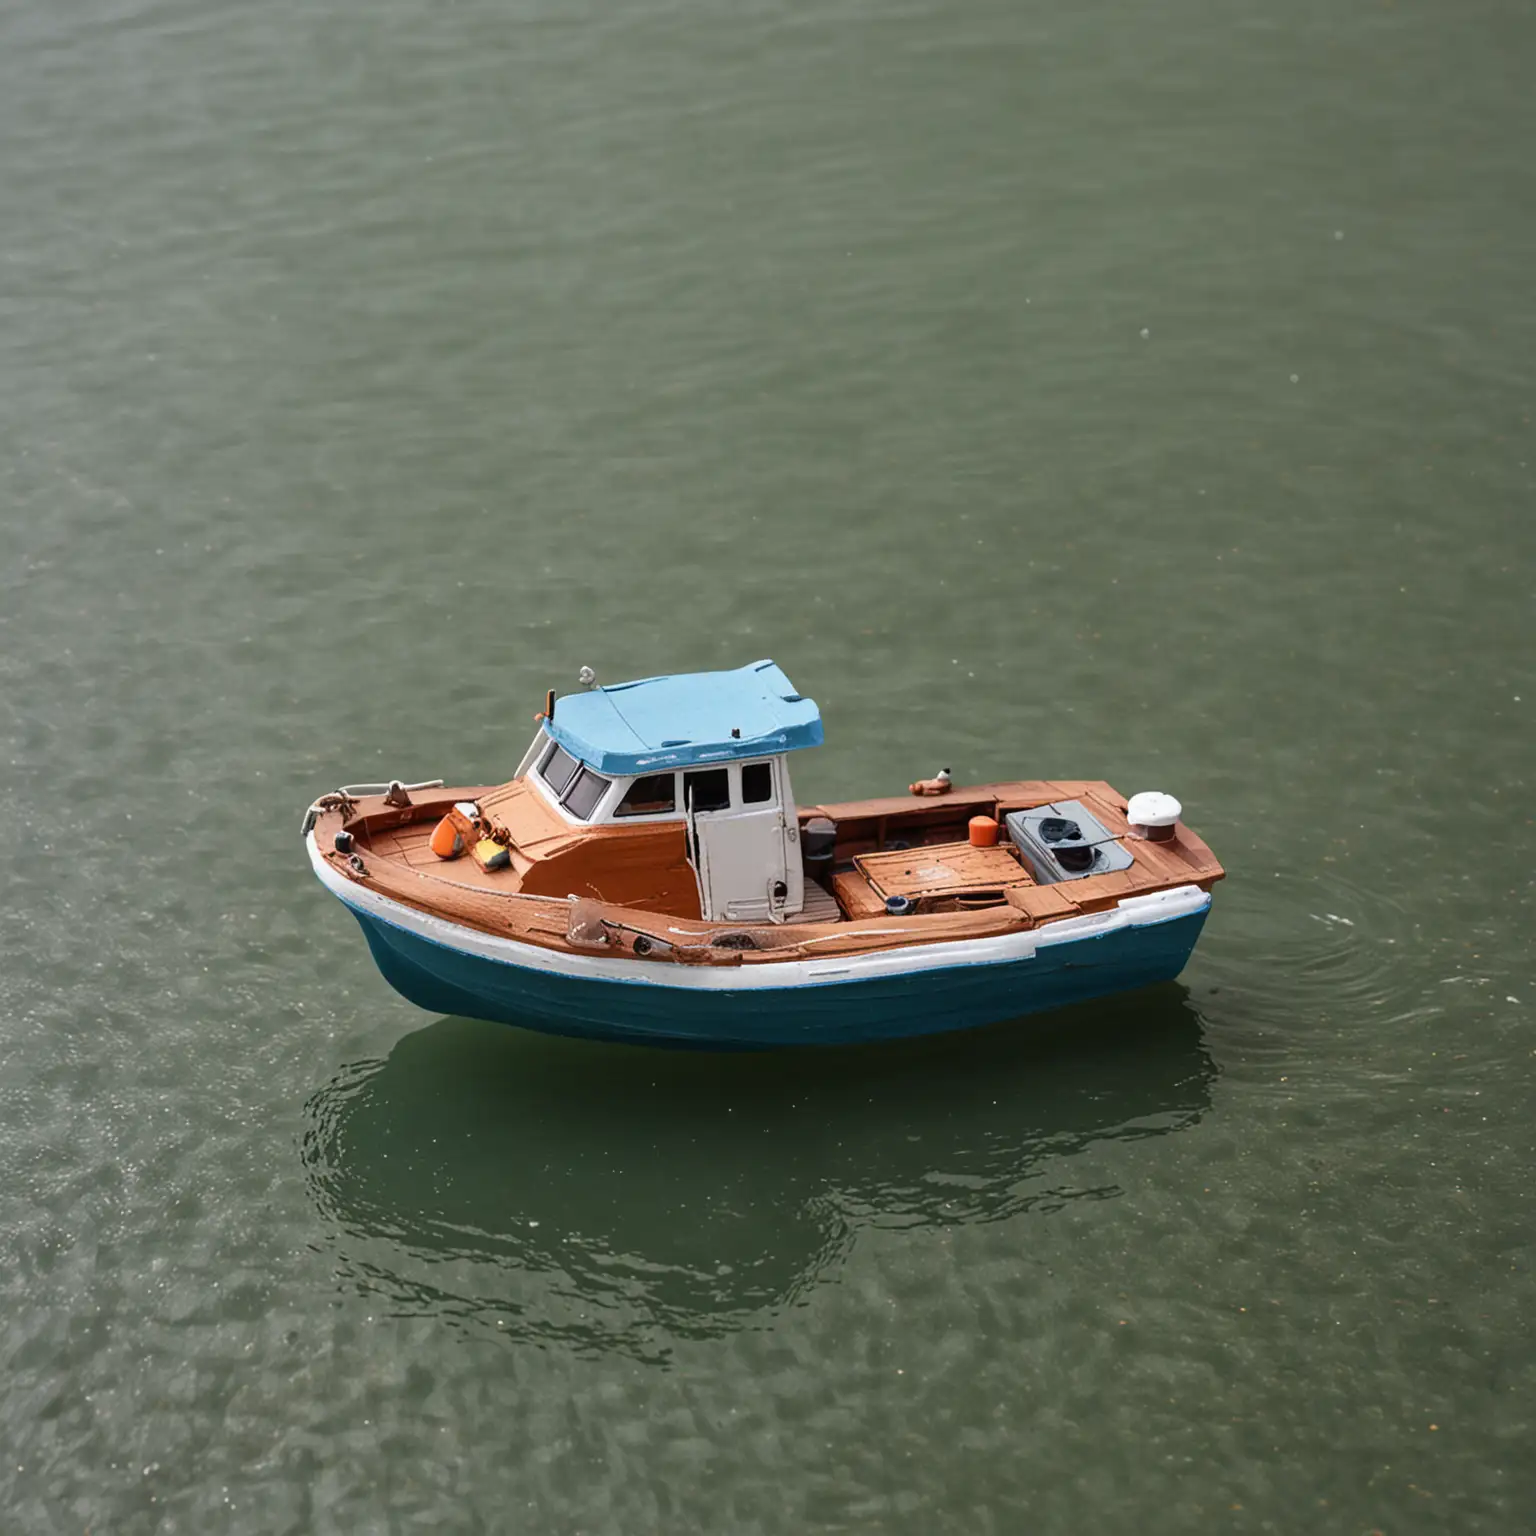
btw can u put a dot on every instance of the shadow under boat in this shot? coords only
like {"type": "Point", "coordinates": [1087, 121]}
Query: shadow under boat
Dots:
{"type": "Point", "coordinates": [611, 1198]}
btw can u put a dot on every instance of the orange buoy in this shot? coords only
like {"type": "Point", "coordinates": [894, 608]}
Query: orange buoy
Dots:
{"type": "Point", "coordinates": [446, 842]}
{"type": "Point", "coordinates": [983, 832]}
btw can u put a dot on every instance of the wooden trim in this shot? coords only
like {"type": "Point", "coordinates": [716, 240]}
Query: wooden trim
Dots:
{"type": "Point", "coordinates": [636, 876]}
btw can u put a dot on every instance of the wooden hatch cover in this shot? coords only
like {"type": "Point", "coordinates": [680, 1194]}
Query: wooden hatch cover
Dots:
{"type": "Point", "coordinates": [941, 869]}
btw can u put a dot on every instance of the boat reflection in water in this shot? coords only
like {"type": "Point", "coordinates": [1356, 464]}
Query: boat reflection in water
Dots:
{"type": "Point", "coordinates": [620, 1199]}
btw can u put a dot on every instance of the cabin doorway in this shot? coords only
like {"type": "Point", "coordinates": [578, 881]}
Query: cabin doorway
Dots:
{"type": "Point", "coordinates": [737, 838]}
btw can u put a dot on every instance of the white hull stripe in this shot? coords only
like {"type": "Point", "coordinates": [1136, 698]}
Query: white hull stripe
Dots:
{"type": "Point", "coordinates": [1131, 912]}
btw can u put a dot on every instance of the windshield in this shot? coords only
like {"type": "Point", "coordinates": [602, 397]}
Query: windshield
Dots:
{"type": "Point", "coordinates": [586, 790]}
{"type": "Point", "coordinates": [558, 769]}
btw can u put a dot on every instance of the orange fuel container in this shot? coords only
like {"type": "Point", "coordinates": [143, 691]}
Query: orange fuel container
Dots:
{"type": "Point", "coordinates": [983, 832]}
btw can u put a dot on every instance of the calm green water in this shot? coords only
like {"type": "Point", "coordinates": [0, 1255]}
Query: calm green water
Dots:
{"type": "Point", "coordinates": [1109, 390]}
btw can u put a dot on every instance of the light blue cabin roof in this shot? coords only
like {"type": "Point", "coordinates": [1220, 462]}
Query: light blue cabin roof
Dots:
{"type": "Point", "coordinates": [676, 722]}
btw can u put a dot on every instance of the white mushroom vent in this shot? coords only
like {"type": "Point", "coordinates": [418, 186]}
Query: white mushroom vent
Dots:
{"type": "Point", "coordinates": [1153, 815]}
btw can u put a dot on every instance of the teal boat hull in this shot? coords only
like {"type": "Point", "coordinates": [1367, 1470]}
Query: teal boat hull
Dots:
{"type": "Point", "coordinates": [447, 980]}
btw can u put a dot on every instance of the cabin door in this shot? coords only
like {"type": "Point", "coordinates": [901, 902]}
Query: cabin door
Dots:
{"type": "Point", "coordinates": [739, 855]}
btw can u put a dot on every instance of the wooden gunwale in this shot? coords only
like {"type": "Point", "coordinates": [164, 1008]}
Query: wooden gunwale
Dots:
{"type": "Point", "coordinates": [494, 903]}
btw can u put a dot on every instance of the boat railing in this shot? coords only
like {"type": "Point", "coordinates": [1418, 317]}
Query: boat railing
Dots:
{"type": "Point", "coordinates": [356, 792]}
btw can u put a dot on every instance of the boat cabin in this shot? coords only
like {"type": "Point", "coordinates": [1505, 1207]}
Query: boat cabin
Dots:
{"type": "Point", "coordinates": [704, 752]}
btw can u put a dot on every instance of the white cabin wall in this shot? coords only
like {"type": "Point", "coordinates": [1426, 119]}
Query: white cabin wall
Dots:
{"type": "Point", "coordinates": [794, 867]}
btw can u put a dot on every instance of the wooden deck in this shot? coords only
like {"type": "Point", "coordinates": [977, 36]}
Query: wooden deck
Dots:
{"type": "Point", "coordinates": [820, 906]}
{"type": "Point", "coordinates": [641, 880]}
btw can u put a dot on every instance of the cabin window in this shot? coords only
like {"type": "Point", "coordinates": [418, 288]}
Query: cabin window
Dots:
{"type": "Point", "coordinates": [651, 796]}
{"type": "Point", "coordinates": [708, 790]}
{"type": "Point", "coordinates": [587, 788]}
{"type": "Point", "coordinates": [558, 769]}
{"type": "Point", "coordinates": [756, 783]}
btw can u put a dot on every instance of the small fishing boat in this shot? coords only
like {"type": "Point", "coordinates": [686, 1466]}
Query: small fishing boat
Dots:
{"type": "Point", "coordinates": [646, 876]}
